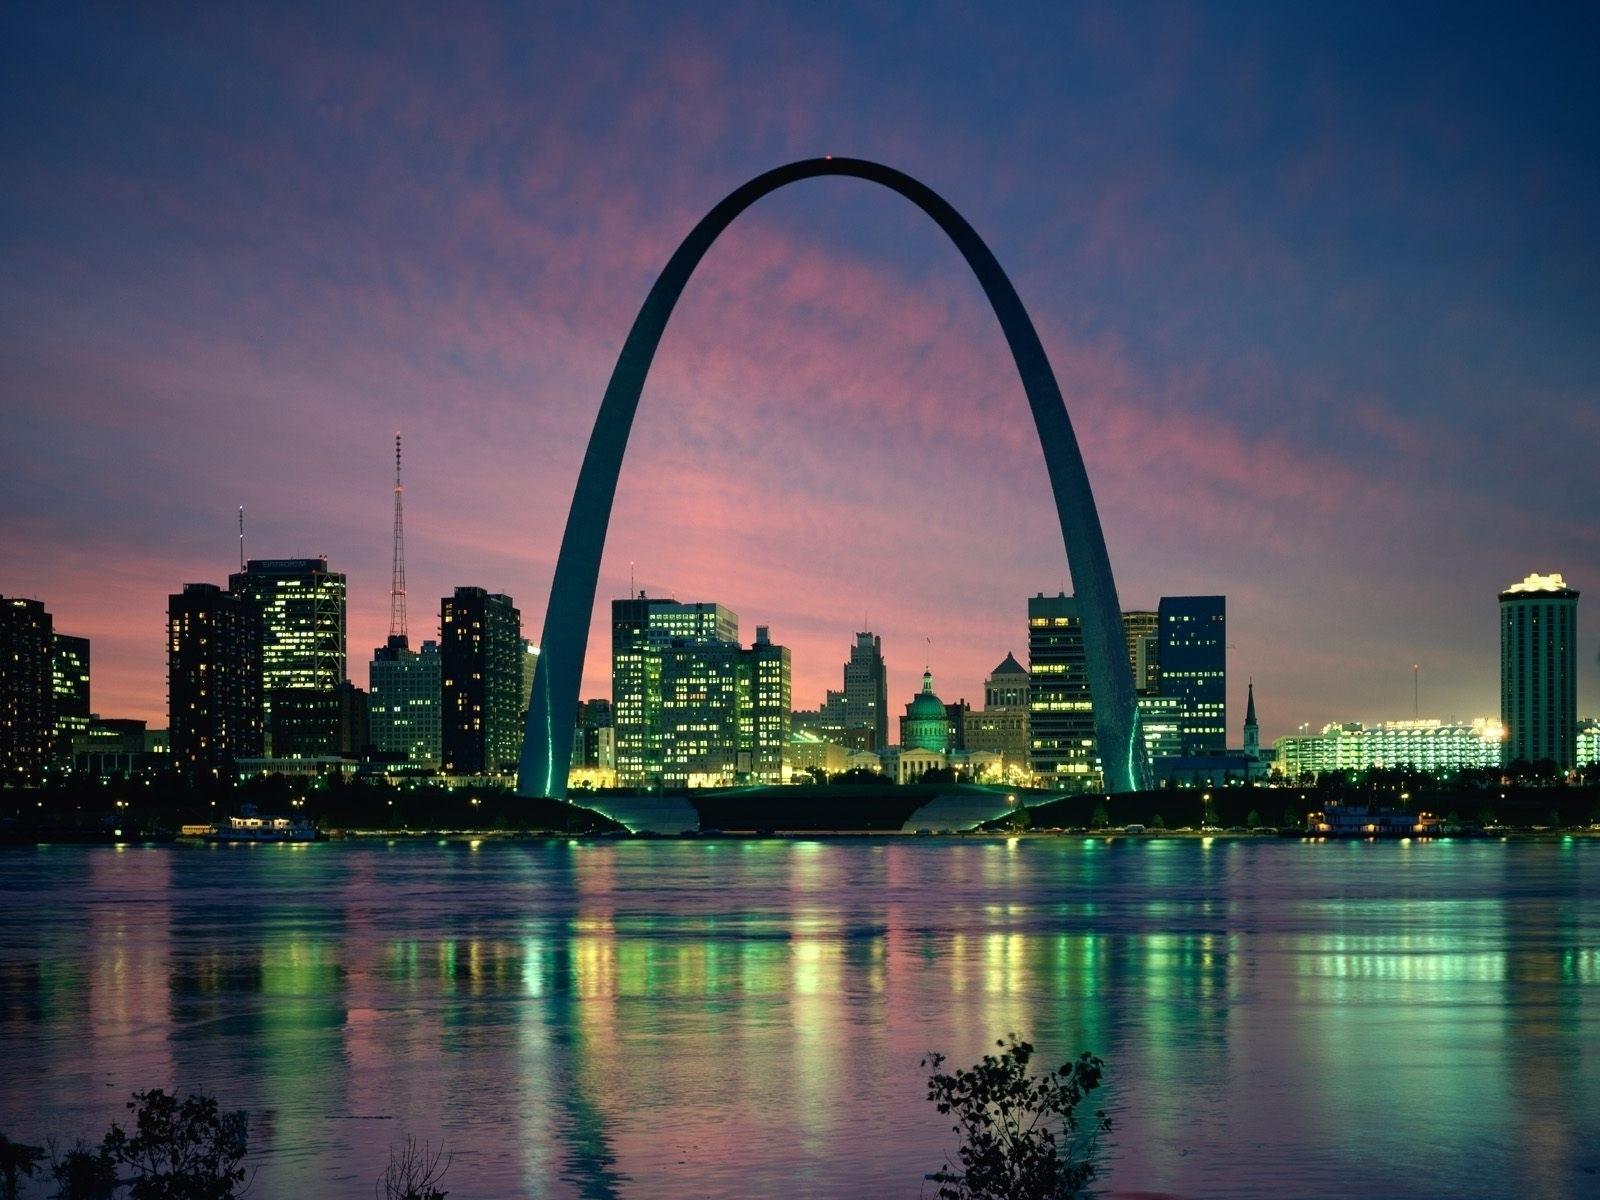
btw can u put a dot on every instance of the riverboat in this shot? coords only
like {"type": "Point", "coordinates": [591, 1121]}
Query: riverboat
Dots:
{"type": "Point", "coordinates": [1341, 820]}
{"type": "Point", "coordinates": [251, 826]}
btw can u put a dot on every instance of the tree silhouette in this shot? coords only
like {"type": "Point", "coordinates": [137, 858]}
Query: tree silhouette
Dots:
{"type": "Point", "coordinates": [1019, 1133]}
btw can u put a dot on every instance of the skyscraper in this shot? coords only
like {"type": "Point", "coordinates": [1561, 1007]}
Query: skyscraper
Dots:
{"type": "Point", "coordinates": [27, 724]}
{"type": "Point", "coordinates": [641, 628]}
{"type": "Point", "coordinates": [1143, 633]}
{"type": "Point", "coordinates": [214, 641]}
{"type": "Point", "coordinates": [699, 705]}
{"type": "Point", "coordinates": [403, 703]}
{"type": "Point", "coordinates": [1539, 670]}
{"type": "Point", "coordinates": [766, 700]}
{"type": "Point", "coordinates": [592, 736]}
{"type": "Point", "coordinates": [724, 712]}
{"type": "Point", "coordinates": [69, 686]}
{"type": "Point", "coordinates": [302, 606]}
{"type": "Point", "coordinates": [866, 691]}
{"type": "Point", "coordinates": [1194, 669]}
{"type": "Point", "coordinates": [480, 686]}
{"type": "Point", "coordinates": [1061, 732]}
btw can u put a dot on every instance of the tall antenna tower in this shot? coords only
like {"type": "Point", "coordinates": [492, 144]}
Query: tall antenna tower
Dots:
{"type": "Point", "coordinates": [397, 578]}
{"type": "Point", "coordinates": [241, 537]}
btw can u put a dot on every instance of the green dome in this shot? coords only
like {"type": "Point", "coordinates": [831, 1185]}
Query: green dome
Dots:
{"type": "Point", "coordinates": [925, 706]}
{"type": "Point", "coordinates": [926, 725]}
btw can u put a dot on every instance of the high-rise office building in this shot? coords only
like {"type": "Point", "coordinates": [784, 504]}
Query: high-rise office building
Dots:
{"type": "Point", "coordinates": [1194, 668]}
{"type": "Point", "coordinates": [1143, 633]}
{"type": "Point", "coordinates": [700, 705]}
{"type": "Point", "coordinates": [69, 687]}
{"type": "Point", "coordinates": [27, 721]}
{"type": "Point", "coordinates": [530, 665]}
{"type": "Point", "coordinates": [1539, 670]}
{"type": "Point", "coordinates": [1061, 734]}
{"type": "Point", "coordinates": [214, 648]}
{"type": "Point", "coordinates": [764, 681]}
{"type": "Point", "coordinates": [1161, 722]}
{"type": "Point", "coordinates": [302, 607]}
{"type": "Point", "coordinates": [593, 745]}
{"type": "Point", "coordinates": [481, 664]}
{"type": "Point", "coordinates": [403, 703]}
{"type": "Point", "coordinates": [866, 691]}
{"type": "Point", "coordinates": [354, 721]}
{"type": "Point", "coordinates": [641, 628]}
{"type": "Point", "coordinates": [723, 712]}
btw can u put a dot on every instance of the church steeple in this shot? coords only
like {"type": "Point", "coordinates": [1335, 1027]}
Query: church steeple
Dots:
{"type": "Point", "coordinates": [1252, 732]}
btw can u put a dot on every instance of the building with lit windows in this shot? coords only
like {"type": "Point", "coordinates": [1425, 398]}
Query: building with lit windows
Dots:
{"type": "Point", "coordinates": [1587, 742]}
{"type": "Point", "coordinates": [403, 703]}
{"type": "Point", "coordinates": [27, 708]}
{"type": "Point", "coordinates": [1194, 668]}
{"type": "Point", "coordinates": [593, 744]}
{"type": "Point", "coordinates": [1143, 633]}
{"type": "Point", "coordinates": [117, 746]}
{"type": "Point", "coordinates": [866, 694]}
{"type": "Point", "coordinates": [810, 753]}
{"type": "Point", "coordinates": [724, 712]}
{"type": "Point", "coordinates": [764, 680]}
{"type": "Point", "coordinates": [69, 687]}
{"type": "Point", "coordinates": [530, 665]}
{"type": "Point", "coordinates": [1436, 747]}
{"type": "Point", "coordinates": [480, 682]}
{"type": "Point", "coordinates": [641, 628]}
{"type": "Point", "coordinates": [1539, 670]}
{"type": "Point", "coordinates": [214, 673]}
{"type": "Point", "coordinates": [699, 713]}
{"type": "Point", "coordinates": [1001, 726]}
{"type": "Point", "coordinates": [1161, 723]}
{"type": "Point", "coordinates": [1061, 733]}
{"type": "Point", "coordinates": [302, 606]}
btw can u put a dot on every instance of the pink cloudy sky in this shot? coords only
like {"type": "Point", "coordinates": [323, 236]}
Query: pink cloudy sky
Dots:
{"type": "Point", "coordinates": [1320, 290]}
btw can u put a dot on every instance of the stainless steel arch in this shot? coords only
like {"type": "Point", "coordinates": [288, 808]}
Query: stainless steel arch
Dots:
{"type": "Point", "coordinates": [552, 710]}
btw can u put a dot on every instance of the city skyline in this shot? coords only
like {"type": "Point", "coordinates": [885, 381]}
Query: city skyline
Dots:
{"type": "Point", "coordinates": [597, 679]}
{"type": "Point", "coordinates": [1240, 354]}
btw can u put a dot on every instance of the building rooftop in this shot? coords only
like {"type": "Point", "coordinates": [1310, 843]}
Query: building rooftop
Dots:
{"type": "Point", "coordinates": [1010, 666]}
{"type": "Point", "coordinates": [1551, 584]}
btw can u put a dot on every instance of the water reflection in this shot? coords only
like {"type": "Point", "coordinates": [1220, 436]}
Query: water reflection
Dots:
{"type": "Point", "coordinates": [739, 1018]}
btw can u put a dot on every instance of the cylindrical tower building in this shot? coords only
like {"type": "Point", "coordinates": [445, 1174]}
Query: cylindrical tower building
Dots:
{"type": "Point", "coordinates": [1539, 670]}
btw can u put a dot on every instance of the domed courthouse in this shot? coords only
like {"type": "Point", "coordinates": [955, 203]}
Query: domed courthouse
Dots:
{"type": "Point", "coordinates": [925, 737]}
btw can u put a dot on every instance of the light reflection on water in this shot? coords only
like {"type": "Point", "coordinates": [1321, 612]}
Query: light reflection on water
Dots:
{"type": "Point", "coordinates": [671, 1019]}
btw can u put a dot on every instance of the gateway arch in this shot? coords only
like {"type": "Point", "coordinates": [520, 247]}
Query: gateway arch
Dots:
{"type": "Point", "coordinates": [552, 708]}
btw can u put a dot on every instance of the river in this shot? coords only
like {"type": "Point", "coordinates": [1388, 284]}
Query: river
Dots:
{"type": "Point", "coordinates": [720, 1018]}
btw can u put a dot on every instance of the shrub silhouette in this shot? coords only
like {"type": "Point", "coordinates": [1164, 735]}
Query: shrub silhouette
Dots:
{"type": "Point", "coordinates": [84, 1173]}
{"type": "Point", "coordinates": [413, 1173]}
{"type": "Point", "coordinates": [180, 1150]}
{"type": "Point", "coordinates": [1019, 1133]}
{"type": "Point", "coordinates": [16, 1161]}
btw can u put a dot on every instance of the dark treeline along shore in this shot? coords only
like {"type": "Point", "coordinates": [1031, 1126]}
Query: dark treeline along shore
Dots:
{"type": "Point", "coordinates": [158, 806]}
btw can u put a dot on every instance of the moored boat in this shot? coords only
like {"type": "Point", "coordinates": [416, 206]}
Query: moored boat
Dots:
{"type": "Point", "coordinates": [252, 826]}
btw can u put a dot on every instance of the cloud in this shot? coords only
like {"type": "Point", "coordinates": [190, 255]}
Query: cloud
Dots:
{"type": "Point", "coordinates": [1304, 366]}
